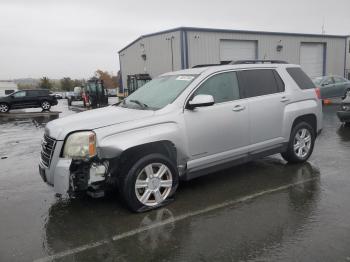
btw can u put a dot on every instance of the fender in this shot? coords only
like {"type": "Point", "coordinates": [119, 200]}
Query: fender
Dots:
{"type": "Point", "coordinates": [295, 110]}
{"type": "Point", "coordinates": [113, 145]}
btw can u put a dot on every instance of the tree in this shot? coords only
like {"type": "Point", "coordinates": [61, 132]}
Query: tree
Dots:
{"type": "Point", "coordinates": [67, 84]}
{"type": "Point", "coordinates": [77, 82]}
{"type": "Point", "coordinates": [109, 80]}
{"type": "Point", "coordinates": [45, 83]}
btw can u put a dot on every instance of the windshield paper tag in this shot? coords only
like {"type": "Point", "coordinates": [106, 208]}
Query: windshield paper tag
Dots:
{"type": "Point", "coordinates": [185, 78]}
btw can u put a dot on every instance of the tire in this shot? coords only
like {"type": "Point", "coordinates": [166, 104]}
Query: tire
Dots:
{"type": "Point", "coordinates": [45, 105]}
{"type": "Point", "coordinates": [4, 108]}
{"type": "Point", "coordinates": [140, 185]}
{"type": "Point", "coordinates": [301, 143]}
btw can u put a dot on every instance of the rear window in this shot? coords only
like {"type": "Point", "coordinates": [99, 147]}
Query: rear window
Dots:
{"type": "Point", "coordinates": [302, 80]}
{"type": "Point", "coordinates": [260, 82]}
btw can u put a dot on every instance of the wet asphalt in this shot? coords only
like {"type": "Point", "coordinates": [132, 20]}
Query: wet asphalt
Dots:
{"type": "Point", "coordinates": [265, 210]}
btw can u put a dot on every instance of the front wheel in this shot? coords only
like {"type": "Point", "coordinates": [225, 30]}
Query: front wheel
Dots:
{"type": "Point", "coordinates": [149, 182]}
{"type": "Point", "coordinates": [301, 143]}
{"type": "Point", "coordinates": [45, 105]}
{"type": "Point", "coordinates": [4, 108]}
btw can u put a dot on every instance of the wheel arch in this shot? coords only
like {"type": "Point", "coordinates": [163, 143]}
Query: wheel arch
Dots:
{"type": "Point", "coordinates": [311, 119]}
{"type": "Point", "coordinates": [164, 147]}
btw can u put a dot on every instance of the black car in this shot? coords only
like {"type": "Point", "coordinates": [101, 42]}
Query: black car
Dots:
{"type": "Point", "coordinates": [344, 112]}
{"type": "Point", "coordinates": [28, 99]}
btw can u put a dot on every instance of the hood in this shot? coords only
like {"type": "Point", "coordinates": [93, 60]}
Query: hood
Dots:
{"type": "Point", "coordinates": [93, 119]}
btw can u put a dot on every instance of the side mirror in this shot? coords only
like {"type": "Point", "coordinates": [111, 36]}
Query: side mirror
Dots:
{"type": "Point", "coordinates": [201, 101]}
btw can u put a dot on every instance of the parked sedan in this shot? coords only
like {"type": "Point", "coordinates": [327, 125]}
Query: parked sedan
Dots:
{"type": "Point", "coordinates": [332, 86]}
{"type": "Point", "coordinates": [344, 112]}
{"type": "Point", "coordinates": [27, 99]}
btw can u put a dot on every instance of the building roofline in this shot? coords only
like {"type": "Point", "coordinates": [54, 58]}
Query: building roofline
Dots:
{"type": "Point", "coordinates": [201, 29]}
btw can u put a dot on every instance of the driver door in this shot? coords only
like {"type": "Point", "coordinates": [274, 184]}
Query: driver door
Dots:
{"type": "Point", "coordinates": [217, 133]}
{"type": "Point", "coordinates": [20, 100]}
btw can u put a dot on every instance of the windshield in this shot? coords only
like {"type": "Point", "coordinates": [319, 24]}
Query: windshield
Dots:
{"type": "Point", "coordinates": [317, 80]}
{"type": "Point", "coordinates": [158, 93]}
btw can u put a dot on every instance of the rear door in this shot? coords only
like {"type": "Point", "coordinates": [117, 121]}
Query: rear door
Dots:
{"type": "Point", "coordinates": [340, 85]}
{"type": "Point", "coordinates": [33, 97]}
{"type": "Point", "coordinates": [266, 96]}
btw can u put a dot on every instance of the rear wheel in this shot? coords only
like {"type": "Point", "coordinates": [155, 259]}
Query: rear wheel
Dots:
{"type": "Point", "coordinates": [4, 108]}
{"type": "Point", "coordinates": [45, 105]}
{"type": "Point", "coordinates": [149, 182]}
{"type": "Point", "coordinates": [301, 143]}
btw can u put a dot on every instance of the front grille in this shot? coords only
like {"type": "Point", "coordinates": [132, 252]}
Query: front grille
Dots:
{"type": "Point", "coordinates": [47, 148]}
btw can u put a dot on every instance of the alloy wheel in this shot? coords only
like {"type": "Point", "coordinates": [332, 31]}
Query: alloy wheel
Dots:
{"type": "Point", "coordinates": [302, 142]}
{"type": "Point", "coordinates": [4, 108]}
{"type": "Point", "coordinates": [153, 184]}
{"type": "Point", "coordinates": [45, 105]}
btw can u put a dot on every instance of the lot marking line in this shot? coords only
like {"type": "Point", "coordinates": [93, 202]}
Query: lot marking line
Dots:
{"type": "Point", "coordinates": [169, 221]}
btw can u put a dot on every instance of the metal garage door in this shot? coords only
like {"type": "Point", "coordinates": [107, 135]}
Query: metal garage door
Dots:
{"type": "Point", "coordinates": [231, 50]}
{"type": "Point", "coordinates": [311, 58]}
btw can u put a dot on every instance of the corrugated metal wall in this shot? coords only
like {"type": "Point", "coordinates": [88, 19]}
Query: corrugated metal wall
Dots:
{"type": "Point", "coordinates": [347, 67]}
{"type": "Point", "coordinates": [203, 48]}
{"type": "Point", "coordinates": [158, 52]}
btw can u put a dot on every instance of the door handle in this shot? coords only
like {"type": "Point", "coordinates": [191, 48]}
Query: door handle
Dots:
{"type": "Point", "coordinates": [238, 108]}
{"type": "Point", "coordinates": [284, 99]}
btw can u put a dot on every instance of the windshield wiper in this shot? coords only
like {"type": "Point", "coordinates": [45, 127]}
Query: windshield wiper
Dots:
{"type": "Point", "coordinates": [139, 103]}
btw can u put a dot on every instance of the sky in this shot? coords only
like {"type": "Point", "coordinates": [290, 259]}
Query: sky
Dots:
{"type": "Point", "coordinates": [74, 38]}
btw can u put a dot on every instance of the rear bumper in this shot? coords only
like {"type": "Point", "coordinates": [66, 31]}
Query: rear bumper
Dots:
{"type": "Point", "coordinates": [344, 116]}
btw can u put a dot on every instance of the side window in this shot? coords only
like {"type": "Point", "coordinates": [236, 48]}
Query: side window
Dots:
{"type": "Point", "coordinates": [280, 83]}
{"type": "Point", "coordinates": [302, 80]}
{"type": "Point", "coordinates": [223, 87]}
{"type": "Point", "coordinates": [32, 93]}
{"type": "Point", "coordinates": [20, 94]}
{"type": "Point", "coordinates": [260, 82]}
{"type": "Point", "coordinates": [328, 81]}
{"type": "Point", "coordinates": [339, 80]}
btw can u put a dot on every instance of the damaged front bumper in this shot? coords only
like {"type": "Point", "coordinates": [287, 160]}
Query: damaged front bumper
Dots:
{"type": "Point", "coordinates": [69, 177]}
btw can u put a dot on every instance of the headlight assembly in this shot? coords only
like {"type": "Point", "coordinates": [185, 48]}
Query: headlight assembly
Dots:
{"type": "Point", "coordinates": [80, 145]}
{"type": "Point", "coordinates": [346, 108]}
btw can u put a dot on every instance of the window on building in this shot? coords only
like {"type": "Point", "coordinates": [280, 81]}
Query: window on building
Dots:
{"type": "Point", "coordinates": [260, 82]}
{"type": "Point", "coordinates": [223, 87]}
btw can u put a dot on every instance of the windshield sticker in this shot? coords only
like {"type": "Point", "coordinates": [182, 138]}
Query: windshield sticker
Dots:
{"type": "Point", "coordinates": [185, 78]}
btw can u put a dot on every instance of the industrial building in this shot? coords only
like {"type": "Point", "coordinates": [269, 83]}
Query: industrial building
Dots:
{"type": "Point", "coordinates": [185, 47]}
{"type": "Point", "coordinates": [7, 87]}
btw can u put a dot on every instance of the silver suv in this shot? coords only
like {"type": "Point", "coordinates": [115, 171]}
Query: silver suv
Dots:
{"type": "Point", "coordinates": [183, 125]}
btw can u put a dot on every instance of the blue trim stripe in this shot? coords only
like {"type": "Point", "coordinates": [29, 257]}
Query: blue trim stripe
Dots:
{"type": "Point", "coordinates": [182, 49]}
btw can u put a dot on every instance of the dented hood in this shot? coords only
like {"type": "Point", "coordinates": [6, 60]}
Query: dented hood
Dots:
{"type": "Point", "coordinates": [93, 119]}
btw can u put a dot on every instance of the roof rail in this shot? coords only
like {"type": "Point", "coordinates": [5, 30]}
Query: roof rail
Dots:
{"type": "Point", "coordinates": [258, 62]}
{"type": "Point", "coordinates": [205, 65]}
{"type": "Point", "coordinates": [239, 62]}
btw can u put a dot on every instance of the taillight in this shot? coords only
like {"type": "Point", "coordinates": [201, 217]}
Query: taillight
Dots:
{"type": "Point", "coordinates": [318, 92]}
